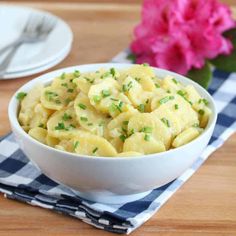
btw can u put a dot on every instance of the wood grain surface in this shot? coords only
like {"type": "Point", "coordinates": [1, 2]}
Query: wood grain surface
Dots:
{"type": "Point", "coordinates": [205, 205]}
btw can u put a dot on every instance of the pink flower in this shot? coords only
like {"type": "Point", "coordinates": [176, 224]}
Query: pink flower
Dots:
{"type": "Point", "coordinates": [181, 34]}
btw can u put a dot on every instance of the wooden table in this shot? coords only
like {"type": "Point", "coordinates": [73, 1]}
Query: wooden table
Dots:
{"type": "Point", "coordinates": [205, 205]}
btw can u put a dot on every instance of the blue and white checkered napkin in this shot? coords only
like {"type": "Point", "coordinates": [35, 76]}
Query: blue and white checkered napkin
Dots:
{"type": "Point", "coordinates": [21, 180]}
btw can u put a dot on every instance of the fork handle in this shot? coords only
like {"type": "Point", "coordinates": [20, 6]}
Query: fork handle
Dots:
{"type": "Point", "coordinates": [7, 60]}
{"type": "Point", "coordinates": [8, 46]}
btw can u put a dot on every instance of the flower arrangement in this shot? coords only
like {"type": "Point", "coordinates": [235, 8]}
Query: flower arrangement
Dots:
{"type": "Point", "coordinates": [186, 36]}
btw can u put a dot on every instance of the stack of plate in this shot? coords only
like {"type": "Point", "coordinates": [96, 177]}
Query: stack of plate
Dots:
{"type": "Point", "coordinates": [36, 57]}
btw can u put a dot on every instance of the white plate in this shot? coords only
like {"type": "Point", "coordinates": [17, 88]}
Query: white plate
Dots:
{"type": "Point", "coordinates": [38, 69]}
{"type": "Point", "coordinates": [31, 56]}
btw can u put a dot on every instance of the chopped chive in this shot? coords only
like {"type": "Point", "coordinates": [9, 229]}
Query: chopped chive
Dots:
{"type": "Point", "coordinates": [70, 90]}
{"type": "Point", "coordinates": [82, 106]}
{"type": "Point", "coordinates": [146, 129]}
{"type": "Point", "coordinates": [168, 91]}
{"type": "Point", "coordinates": [122, 138]}
{"type": "Point", "coordinates": [141, 107]}
{"type": "Point", "coordinates": [125, 122]}
{"type": "Point", "coordinates": [106, 93]}
{"type": "Point", "coordinates": [166, 99]}
{"type": "Point", "coordinates": [112, 107]}
{"type": "Point", "coordinates": [165, 121]}
{"type": "Point", "coordinates": [58, 101]}
{"type": "Point", "coordinates": [124, 88]}
{"type": "Point", "coordinates": [147, 137]}
{"type": "Point", "coordinates": [101, 123]}
{"type": "Point", "coordinates": [63, 75]}
{"type": "Point", "coordinates": [89, 80]}
{"type": "Point", "coordinates": [131, 132]}
{"type": "Point", "coordinates": [105, 75]}
{"type": "Point", "coordinates": [60, 126]}
{"type": "Point", "coordinates": [196, 125]}
{"type": "Point", "coordinates": [118, 107]}
{"type": "Point", "coordinates": [94, 150]}
{"type": "Point", "coordinates": [147, 101]}
{"type": "Point", "coordinates": [90, 124]}
{"type": "Point", "coordinates": [41, 125]}
{"type": "Point", "coordinates": [20, 96]}
{"type": "Point", "coordinates": [66, 117]}
{"type": "Point", "coordinates": [114, 99]}
{"type": "Point", "coordinates": [83, 118]}
{"type": "Point", "coordinates": [157, 85]}
{"type": "Point", "coordinates": [76, 73]}
{"type": "Point", "coordinates": [204, 101]}
{"type": "Point", "coordinates": [175, 81]}
{"type": "Point", "coordinates": [76, 144]}
{"type": "Point", "coordinates": [201, 112]}
{"type": "Point", "coordinates": [176, 106]}
{"type": "Point", "coordinates": [64, 85]}
{"type": "Point", "coordinates": [145, 64]}
{"type": "Point", "coordinates": [50, 95]}
{"type": "Point", "coordinates": [68, 100]}
{"type": "Point", "coordinates": [113, 72]}
{"type": "Point", "coordinates": [181, 93]}
{"type": "Point", "coordinates": [97, 98]}
{"type": "Point", "coordinates": [127, 87]}
{"type": "Point", "coordinates": [123, 129]}
{"type": "Point", "coordinates": [137, 79]}
{"type": "Point", "coordinates": [71, 126]}
{"type": "Point", "coordinates": [120, 104]}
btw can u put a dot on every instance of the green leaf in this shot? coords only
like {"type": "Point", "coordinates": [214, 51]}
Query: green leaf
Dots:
{"type": "Point", "coordinates": [227, 62]}
{"type": "Point", "coordinates": [201, 76]}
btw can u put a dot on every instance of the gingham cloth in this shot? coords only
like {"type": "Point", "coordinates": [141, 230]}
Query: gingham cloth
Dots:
{"type": "Point", "coordinates": [21, 180]}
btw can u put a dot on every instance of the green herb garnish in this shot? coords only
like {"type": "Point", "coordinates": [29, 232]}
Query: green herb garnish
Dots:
{"type": "Point", "coordinates": [165, 121]}
{"type": "Point", "coordinates": [175, 81]}
{"type": "Point", "coordinates": [141, 107]}
{"type": "Point", "coordinates": [64, 85]}
{"type": "Point", "coordinates": [176, 106]}
{"type": "Point", "coordinates": [83, 118]}
{"type": "Point", "coordinates": [147, 137]}
{"type": "Point", "coordinates": [113, 72]}
{"type": "Point", "coordinates": [82, 106]}
{"type": "Point", "coordinates": [157, 85]}
{"type": "Point", "coordinates": [181, 93]}
{"type": "Point", "coordinates": [60, 126]}
{"type": "Point", "coordinates": [70, 90]}
{"type": "Point", "coordinates": [106, 93]}
{"type": "Point", "coordinates": [122, 137]}
{"type": "Point", "coordinates": [97, 98]}
{"type": "Point", "coordinates": [94, 150]}
{"type": "Point", "coordinates": [20, 96]}
{"type": "Point", "coordinates": [166, 99]}
{"type": "Point", "coordinates": [125, 122]}
{"type": "Point", "coordinates": [146, 129]}
{"type": "Point", "coordinates": [201, 112]}
{"type": "Point", "coordinates": [76, 73]}
{"type": "Point", "coordinates": [66, 117]}
{"type": "Point", "coordinates": [41, 125]}
{"type": "Point", "coordinates": [76, 144]}
{"type": "Point", "coordinates": [114, 99]}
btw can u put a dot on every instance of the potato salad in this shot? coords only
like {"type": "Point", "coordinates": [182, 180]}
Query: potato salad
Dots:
{"type": "Point", "coordinates": [113, 113]}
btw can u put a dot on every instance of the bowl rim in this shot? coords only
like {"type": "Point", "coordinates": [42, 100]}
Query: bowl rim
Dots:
{"type": "Point", "coordinates": [45, 78]}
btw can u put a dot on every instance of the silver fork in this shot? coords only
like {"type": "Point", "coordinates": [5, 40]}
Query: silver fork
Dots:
{"type": "Point", "coordinates": [36, 29]}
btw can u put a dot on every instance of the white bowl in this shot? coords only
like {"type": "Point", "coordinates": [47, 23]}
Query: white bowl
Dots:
{"type": "Point", "coordinates": [104, 179]}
